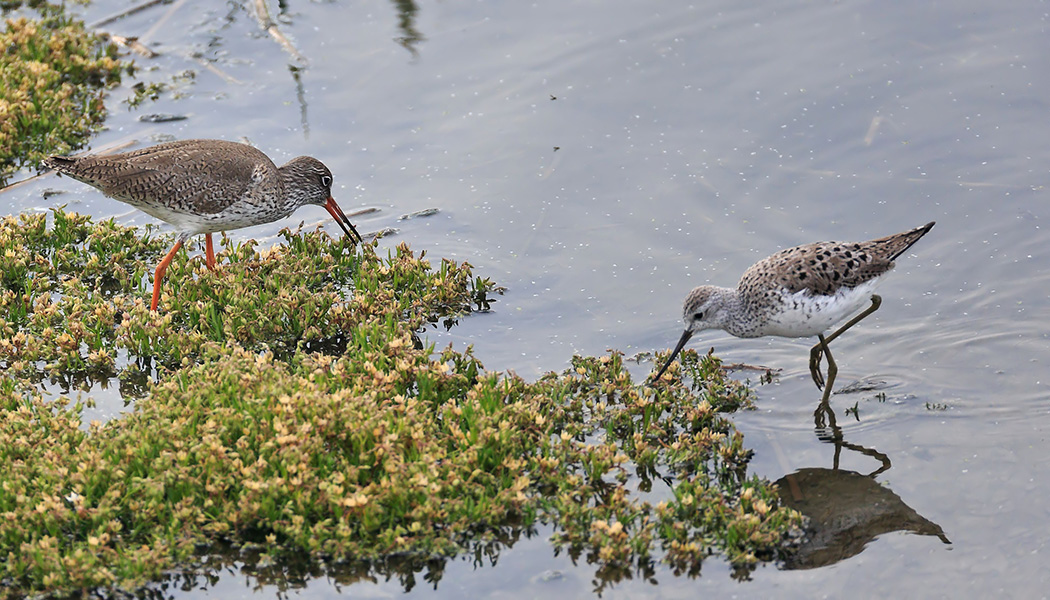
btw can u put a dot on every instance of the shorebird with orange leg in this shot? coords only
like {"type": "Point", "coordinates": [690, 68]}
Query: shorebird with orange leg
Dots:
{"type": "Point", "coordinates": [799, 292]}
{"type": "Point", "coordinates": [206, 186]}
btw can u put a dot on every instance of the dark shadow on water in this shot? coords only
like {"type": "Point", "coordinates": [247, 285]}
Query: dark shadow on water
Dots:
{"type": "Point", "coordinates": [131, 381]}
{"type": "Point", "coordinates": [285, 576]}
{"type": "Point", "coordinates": [289, 574]}
{"type": "Point", "coordinates": [300, 96]}
{"type": "Point", "coordinates": [410, 38]}
{"type": "Point", "coordinates": [846, 510]}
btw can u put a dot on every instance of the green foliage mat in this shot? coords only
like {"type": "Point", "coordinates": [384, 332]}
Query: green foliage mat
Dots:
{"type": "Point", "coordinates": [294, 407]}
{"type": "Point", "coordinates": [53, 75]}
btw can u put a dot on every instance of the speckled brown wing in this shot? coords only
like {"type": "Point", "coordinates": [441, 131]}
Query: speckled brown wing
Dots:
{"type": "Point", "coordinates": [197, 176]}
{"type": "Point", "coordinates": [824, 267]}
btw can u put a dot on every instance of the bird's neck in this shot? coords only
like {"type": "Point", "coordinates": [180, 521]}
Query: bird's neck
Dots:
{"type": "Point", "coordinates": [292, 196]}
{"type": "Point", "coordinates": [733, 314]}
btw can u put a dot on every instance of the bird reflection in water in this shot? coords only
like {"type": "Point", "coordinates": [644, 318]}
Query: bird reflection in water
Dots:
{"type": "Point", "coordinates": [846, 509]}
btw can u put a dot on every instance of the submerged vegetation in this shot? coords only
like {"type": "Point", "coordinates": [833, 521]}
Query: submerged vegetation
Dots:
{"type": "Point", "coordinates": [293, 407]}
{"type": "Point", "coordinates": [53, 74]}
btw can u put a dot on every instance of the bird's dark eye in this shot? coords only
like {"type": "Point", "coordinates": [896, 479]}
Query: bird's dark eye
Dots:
{"type": "Point", "coordinates": [698, 316]}
{"type": "Point", "coordinates": [326, 181]}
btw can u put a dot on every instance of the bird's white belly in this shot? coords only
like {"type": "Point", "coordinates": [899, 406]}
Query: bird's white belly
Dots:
{"type": "Point", "coordinates": [233, 217]}
{"type": "Point", "coordinates": [805, 314]}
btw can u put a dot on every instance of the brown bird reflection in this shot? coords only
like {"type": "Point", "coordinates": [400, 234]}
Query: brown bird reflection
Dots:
{"type": "Point", "coordinates": [847, 510]}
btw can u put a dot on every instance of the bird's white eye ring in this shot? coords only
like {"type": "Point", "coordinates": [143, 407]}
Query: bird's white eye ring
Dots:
{"type": "Point", "coordinates": [326, 181]}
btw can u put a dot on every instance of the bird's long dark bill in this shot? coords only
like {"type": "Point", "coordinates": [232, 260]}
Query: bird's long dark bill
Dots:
{"type": "Point", "coordinates": [681, 344]}
{"type": "Point", "coordinates": [340, 217]}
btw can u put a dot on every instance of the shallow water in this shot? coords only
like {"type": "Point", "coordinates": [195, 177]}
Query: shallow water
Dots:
{"type": "Point", "coordinates": [600, 159]}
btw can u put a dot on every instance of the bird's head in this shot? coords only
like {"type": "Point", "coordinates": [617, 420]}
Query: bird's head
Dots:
{"type": "Point", "coordinates": [704, 308]}
{"type": "Point", "coordinates": [312, 179]}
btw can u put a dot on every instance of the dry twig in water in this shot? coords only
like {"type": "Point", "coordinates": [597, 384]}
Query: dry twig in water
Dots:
{"type": "Point", "coordinates": [263, 15]}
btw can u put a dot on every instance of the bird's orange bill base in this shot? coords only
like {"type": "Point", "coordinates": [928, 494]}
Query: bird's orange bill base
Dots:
{"type": "Point", "coordinates": [670, 359]}
{"type": "Point", "coordinates": [159, 275]}
{"type": "Point", "coordinates": [340, 217]}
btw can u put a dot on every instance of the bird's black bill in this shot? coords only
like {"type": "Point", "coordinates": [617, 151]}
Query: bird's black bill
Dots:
{"type": "Point", "coordinates": [681, 344]}
{"type": "Point", "coordinates": [340, 217]}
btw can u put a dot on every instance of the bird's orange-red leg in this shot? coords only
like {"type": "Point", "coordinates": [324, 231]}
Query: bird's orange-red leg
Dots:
{"type": "Point", "coordinates": [209, 252]}
{"type": "Point", "coordinates": [158, 276]}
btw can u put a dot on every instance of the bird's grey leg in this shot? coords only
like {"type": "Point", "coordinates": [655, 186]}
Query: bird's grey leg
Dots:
{"type": "Point", "coordinates": [833, 370]}
{"type": "Point", "coordinates": [814, 354]}
{"type": "Point", "coordinates": [876, 302]}
{"type": "Point", "coordinates": [814, 365]}
{"type": "Point", "coordinates": [158, 276]}
{"type": "Point", "coordinates": [825, 406]}
{"type": "Point", "coordinates": [209, 252]}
